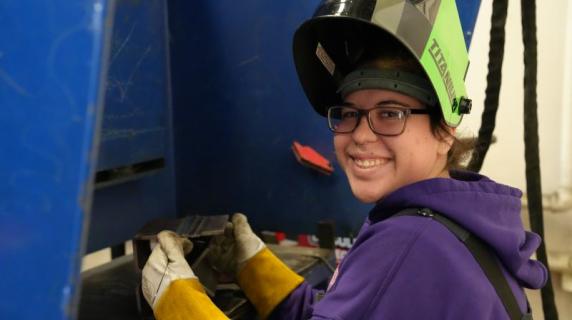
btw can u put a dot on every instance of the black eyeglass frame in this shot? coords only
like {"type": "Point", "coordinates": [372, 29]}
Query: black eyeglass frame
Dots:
{"type": "Point", "coordinates": [365, 113]}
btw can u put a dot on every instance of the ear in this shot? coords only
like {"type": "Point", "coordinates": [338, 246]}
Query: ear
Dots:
{"type": "Point", "coordinates": [447, 138]}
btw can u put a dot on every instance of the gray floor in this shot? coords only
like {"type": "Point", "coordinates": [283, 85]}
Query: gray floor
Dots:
{"type": "Point", "coordinates": [563, 301]}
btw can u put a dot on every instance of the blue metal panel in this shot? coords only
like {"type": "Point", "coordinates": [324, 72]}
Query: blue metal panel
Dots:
{"type": "Point", "coordinates": [120, 210]}
{"type": "Point", "coordinates": [134, 122]}
{"type": "Point", "coordinates": [468, 12]}
{"type": "Point", "coordinates": [136, 125]}
{"type": "Point", "coordinates": [50, 74]}
{"type": "Point", "coordinates": [237, 109]}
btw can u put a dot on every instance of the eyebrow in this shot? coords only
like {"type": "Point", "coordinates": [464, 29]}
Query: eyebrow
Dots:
{"type": "Point", "coordinates": [380, 103]}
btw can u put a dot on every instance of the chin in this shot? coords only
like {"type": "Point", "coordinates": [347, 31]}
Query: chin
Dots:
{"type": "Point", "coordinates": [367, 191]}
{"type": "Point", "coordinates": [366, 196]}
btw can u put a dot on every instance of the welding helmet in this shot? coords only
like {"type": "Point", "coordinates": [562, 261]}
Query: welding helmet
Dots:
{"type": "Point", "coordinates": [328, 46]}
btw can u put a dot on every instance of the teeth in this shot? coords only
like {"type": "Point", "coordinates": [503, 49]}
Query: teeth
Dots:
{"type": "Point", "coordinates": [369, 163]}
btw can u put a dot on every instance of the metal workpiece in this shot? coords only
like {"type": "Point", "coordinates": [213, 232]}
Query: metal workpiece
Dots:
{"type": "Point", "coordinates": [198, 229]}
{"type": "Point", "coordinates": [110, 291]}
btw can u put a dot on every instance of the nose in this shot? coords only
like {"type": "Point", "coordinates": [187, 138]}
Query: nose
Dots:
{"type": "Point", "coordinates": [363, 133]}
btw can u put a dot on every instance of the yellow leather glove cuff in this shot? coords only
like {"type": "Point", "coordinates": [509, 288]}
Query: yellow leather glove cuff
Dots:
{"type": "Point", "coordinates": [267, 281]}
{"type": "Point", "coordinates": [185, 299]}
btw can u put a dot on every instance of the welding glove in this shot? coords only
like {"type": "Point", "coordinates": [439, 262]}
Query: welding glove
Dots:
{"type": "Point", "coordinates": [170, 286]}
{"type": "Point", "coordinates": [230, 252]}
{"type": "Point", "coordinates": [265, 279]}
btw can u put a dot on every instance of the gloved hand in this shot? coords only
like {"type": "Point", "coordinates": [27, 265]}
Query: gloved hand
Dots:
{"type": "Point", "coordinates": [170, 285]}
{"type": "Point", "coordinates": [166, 264]}
{"type": "Point", "coordinates": [265, 279]}
{"type": "Point", "coordinates": [230, 252]}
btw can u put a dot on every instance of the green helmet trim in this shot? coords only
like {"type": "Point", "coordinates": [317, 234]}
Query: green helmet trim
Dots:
{"type": "Point", "coordinates": [445, 60]}
{"type": "Point", "coordinates": [395, 80]}
{"type": "Point", "coordinates": [432, 31]}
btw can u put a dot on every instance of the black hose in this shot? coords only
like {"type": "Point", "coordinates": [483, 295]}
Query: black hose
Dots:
{"type": "Point", "coordinates": [494, 79]}
{"type": "Point", "coordinates": [531, 151]}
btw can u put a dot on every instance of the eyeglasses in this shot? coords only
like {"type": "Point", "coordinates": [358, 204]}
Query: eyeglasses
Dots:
{"type": "Point", "coordinates": [386, 120]}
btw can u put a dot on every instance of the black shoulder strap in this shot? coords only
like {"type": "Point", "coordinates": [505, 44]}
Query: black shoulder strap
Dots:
{"type": "Point", "coordinates": [484, 257]}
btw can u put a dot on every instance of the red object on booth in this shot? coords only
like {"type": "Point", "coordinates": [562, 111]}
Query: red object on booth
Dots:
{"type": "Point", "coordinates": [309, 157]}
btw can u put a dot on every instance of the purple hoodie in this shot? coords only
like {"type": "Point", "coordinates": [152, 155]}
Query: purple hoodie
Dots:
{"type": "Point", "coordinates": [411, 267]}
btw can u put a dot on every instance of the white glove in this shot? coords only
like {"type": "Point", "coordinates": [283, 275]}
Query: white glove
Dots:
{"type": "Point", "coordinates": [166, 264]}
{"type": "Point", "coordinates": [230, 252]}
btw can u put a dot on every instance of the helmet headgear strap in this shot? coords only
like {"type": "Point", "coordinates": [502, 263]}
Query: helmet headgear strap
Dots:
{"type": "Point", "coordinates": [395, 80]}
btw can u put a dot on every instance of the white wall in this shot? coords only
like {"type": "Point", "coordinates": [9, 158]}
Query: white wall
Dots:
{"type": "Point", "coordinates": [505, 159]}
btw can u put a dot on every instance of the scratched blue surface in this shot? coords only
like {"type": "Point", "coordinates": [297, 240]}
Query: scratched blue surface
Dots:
{"type": "Point", "coordinates": [135, 119]}
{"type": "Point", "coordinates": [237, 109]}
{"type": "Point", "coordinates": [136, 125]}
{"type": "Point", "coordinates": [50, 74]}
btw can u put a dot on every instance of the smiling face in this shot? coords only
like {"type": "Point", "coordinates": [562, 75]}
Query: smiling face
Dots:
{"type": "Point", "coordinates": [378, 165]}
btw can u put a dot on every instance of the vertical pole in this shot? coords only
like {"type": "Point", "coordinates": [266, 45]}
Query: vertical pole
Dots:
{"type": "Point", "coordinates": [494, 79]}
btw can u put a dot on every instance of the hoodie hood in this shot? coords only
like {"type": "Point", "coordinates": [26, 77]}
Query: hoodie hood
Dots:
{"type": "Point", "coordinates": [489, 210]}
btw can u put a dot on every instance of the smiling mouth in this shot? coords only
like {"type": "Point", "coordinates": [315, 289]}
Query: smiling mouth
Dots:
{"type": "Point", "coordinates": [369, 163]}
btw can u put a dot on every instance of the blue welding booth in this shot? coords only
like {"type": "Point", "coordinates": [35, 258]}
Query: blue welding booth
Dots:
{"type": "Point", "coordinates": [119, 112]}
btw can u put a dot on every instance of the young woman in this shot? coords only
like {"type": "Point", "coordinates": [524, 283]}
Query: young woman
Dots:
{"type": "Point", "coordinates": [393, 93]}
